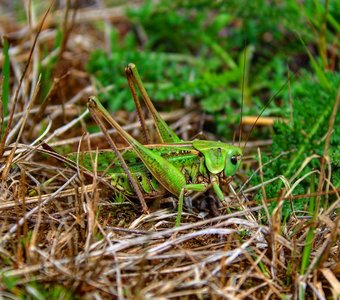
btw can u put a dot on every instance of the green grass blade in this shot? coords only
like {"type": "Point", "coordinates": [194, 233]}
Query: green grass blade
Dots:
{"type": "Point", "coordinates": [333, 23]}
{"type": "Point", "coordinates": [310, 235]}
{"type": "Point", "coordinates": [219, 51]}
{"type": "Point", "coordinates": [317, 68]}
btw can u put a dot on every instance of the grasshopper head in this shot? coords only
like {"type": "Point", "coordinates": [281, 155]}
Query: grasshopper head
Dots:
{"type": "Point", "coordinates": [233, 160]}
{"type": "Point", "coordinates": [219, 156]}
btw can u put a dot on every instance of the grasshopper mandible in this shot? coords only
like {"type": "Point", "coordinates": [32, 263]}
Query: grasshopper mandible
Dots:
{"type": "Point", "coordinates": [174, 166]}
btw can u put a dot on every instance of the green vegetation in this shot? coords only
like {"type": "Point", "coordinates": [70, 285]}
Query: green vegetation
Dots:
{"type": "Point", "coordinates": [36, 291]}
{"type": "Point", "coordinates": [303, 136]}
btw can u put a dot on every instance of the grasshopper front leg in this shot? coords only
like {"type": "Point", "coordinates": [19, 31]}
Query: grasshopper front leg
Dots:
{"type": "Point", "coordinates": [199, 187]}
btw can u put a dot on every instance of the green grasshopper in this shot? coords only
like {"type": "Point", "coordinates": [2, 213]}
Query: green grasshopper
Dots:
{"type": "Point", "coordinates": [174, 166]}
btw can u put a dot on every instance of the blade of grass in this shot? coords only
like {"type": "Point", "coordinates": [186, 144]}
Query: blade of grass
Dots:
{"type": "Point", "coordinates": [333, 22]}
{"type": "Point", "coordinates": [310, 235]}
{"type": "Point", "coordinates": [315, 65]}
{"type": "Point", "coordinates": [219, 51]}
{"type": "Point", "coordinates": [322, 38]}
{"type": "Point", "coordinates": [5, 84]}
{"type": "Point", "coordinates": [307, 249]}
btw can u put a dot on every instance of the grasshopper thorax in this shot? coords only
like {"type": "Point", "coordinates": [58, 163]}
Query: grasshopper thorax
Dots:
{"type": "Point", "coordinates": [219, 156]}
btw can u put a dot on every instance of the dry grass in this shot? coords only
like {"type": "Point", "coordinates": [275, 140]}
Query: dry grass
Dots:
{"type": "Point", "coordinates": [59, 226]}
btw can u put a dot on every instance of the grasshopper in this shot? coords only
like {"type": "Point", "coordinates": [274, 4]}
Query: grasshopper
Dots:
{"type": "Point", "coordinates": [173, 166]}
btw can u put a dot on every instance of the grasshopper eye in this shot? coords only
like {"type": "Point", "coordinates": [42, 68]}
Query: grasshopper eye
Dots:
{"type": "Point", "coordinates": [233, 160]}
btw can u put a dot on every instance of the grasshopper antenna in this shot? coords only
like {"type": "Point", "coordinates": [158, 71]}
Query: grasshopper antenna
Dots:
{"type": "Point", "coordinates": [267, 104]}
{"type": "Point", "coordinates": [243, 83]}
